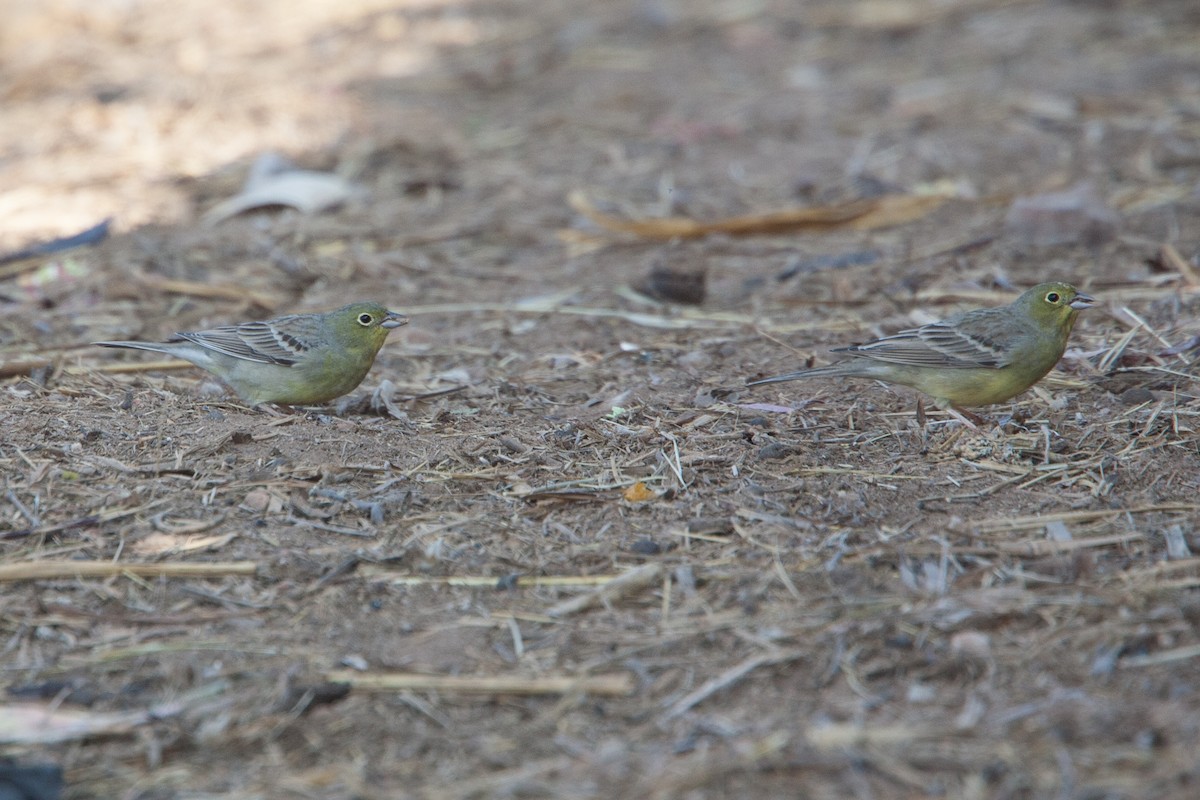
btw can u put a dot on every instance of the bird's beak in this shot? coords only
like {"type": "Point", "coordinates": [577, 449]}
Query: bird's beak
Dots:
{"type": "Point", "coordinates": [1082, 301]}
{"type": "Point", "coordinates": [395, 319]}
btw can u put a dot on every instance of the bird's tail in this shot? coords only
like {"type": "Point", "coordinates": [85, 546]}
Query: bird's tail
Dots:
{"type": "Point", "coordinates": [153, 347]}
{"type": "Point", "coordinates": [840, 369]}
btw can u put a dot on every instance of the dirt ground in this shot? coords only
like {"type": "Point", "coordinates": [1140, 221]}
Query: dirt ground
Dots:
{"type": "Point", "coordinates": [821, 594]}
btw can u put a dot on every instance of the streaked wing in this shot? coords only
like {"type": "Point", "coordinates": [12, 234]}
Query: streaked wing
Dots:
{"type": "Point", "coordinates": [264, 342]}
{"type": "Point", "coordinates": [942, 344]}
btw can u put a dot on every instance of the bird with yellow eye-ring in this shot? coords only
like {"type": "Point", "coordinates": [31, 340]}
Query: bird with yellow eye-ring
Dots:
{"type": "Point", "coordinates": [975, 358]}
{"type": "Point", "coordinates": [298, 359]}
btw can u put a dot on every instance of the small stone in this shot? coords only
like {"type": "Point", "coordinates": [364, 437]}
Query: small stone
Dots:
{"type": "Point", "coordinates": [775, 450]}
{"type": "Point", "coordinates": [646, 547]}
{"type": "Point", "coordinates": [1136, 396]}
{"type": "Point", "coordinates": [673, 285]}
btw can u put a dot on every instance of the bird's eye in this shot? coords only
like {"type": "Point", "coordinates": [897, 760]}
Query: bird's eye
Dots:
{"type": "Point", "coordinates": [365, 319]}
{"type": "Point", "coordinates": [1053, 298]}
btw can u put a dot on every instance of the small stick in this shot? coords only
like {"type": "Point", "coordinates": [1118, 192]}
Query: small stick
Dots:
{"type": "Point", "coordinates": [1186, 653]}
{"type": "Point", "coordinates": [728, 678]}
{"type": "Point", "coordinates": [82, 522]}
{"type": "Point", "coordinates": [1042, 547]}
{"type": "Point", "coordinates": [1038, 520]}
{"type": "Point", "coordinates": [39, 570]}
{"type": "Point", "coordinates": [628, 583]}
{"type": "Point", "coordinates": [517, 582]}
{"type": "Point", "coordinates": [21, 507]}
{"type": "Point", "coordinates": [614, 684]}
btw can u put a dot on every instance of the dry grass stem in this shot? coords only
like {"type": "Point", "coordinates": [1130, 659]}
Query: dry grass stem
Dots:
{"type": "Point", "coordinates": [50, 570]}
{"type": "Point", "coordinates": [622, 585]}
{"type": "Point", "coordinates": [614, 685]}
{"type": "Point", "coordinates": [728, 678]}
{"type": "Point", "coordinates": [512, 581]}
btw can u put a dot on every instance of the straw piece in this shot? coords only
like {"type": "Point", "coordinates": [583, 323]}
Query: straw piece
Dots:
{"type": "Point", "coordinates": [44, 570]}
{"type": "Point", "coordinates": [613, 684]}
{"type": "Point", "coordinates": [632, 581]}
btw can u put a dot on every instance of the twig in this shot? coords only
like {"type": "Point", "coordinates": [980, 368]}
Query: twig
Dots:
{"type": "Point", "coordinates": [632, 581]}
{"type": "Point", "coordinates": [514, 581]}
{"type": "Point", "coordinates": [21, 507]}
{"type": "Point", "coordinates": [1045, 547]}
{"type": "Point", "coordinates": [41, 570]}
{"type": "Point", "coordinates": [1038, 520]}
{"type": "Point", "coordinates": [324, 526]}
{"type": "Point", "coordinates": [613, 684]}
{"type": "Point", "coordinates": [1164, 657]}
{"type": "Point", "coordinates": [82, 522]}
{"type": "Point", "coordinates": [728, 678]}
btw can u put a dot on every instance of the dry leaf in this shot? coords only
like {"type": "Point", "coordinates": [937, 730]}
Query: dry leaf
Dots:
{"type": "Point", "coordinates": [639, 493]}
{"type": "Point", "coordinates": [165, 543]}
{"type": "Point", "coordinates": [869, 214]}
{"type": "Point", "coordinates": [684, 228]}
{"type": "Point", "coordinates": [262, 501]}
{"type": "Point", "coordinates": [897, 209]}
{"type": "Point", "coordinates": [274, 182]}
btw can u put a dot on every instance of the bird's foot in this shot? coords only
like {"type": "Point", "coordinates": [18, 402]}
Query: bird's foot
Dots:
{"type": "Point", "coordinates": [969, 419]}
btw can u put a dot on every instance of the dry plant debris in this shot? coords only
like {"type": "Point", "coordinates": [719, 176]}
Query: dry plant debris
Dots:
{"type": "Point", "coordinates": [556, 548]}
{"type": "Point", "coordinates": [860, 215]}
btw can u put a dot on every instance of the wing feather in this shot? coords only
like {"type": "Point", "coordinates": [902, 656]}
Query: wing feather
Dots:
{"type": "Point", "coordinates": [262, 342]}
{"type": "Point", "coordinates": [946, 345]}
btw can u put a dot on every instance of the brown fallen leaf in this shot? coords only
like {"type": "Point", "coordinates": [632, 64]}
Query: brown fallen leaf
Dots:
{"type": "Point", "coordinates": [639, 493]}
{"type": "Point", "coordinates": [897, 209]}
{"type": "Point", "coordinates": [166, 543]}
{"type": "Point", "coordinates": [868, 214]}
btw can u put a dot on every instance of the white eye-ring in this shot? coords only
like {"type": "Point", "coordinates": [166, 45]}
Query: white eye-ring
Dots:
{"type": "Point", "coordinates": [365, 319]}
{"type": "Point", "coordinates": [1053, 297]}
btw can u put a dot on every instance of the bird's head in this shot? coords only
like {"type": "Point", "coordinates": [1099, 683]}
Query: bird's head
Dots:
{"type": "Point", "coordinates": [1054, 305]}
{"type": "Point", "coordinates": [365, 325]}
